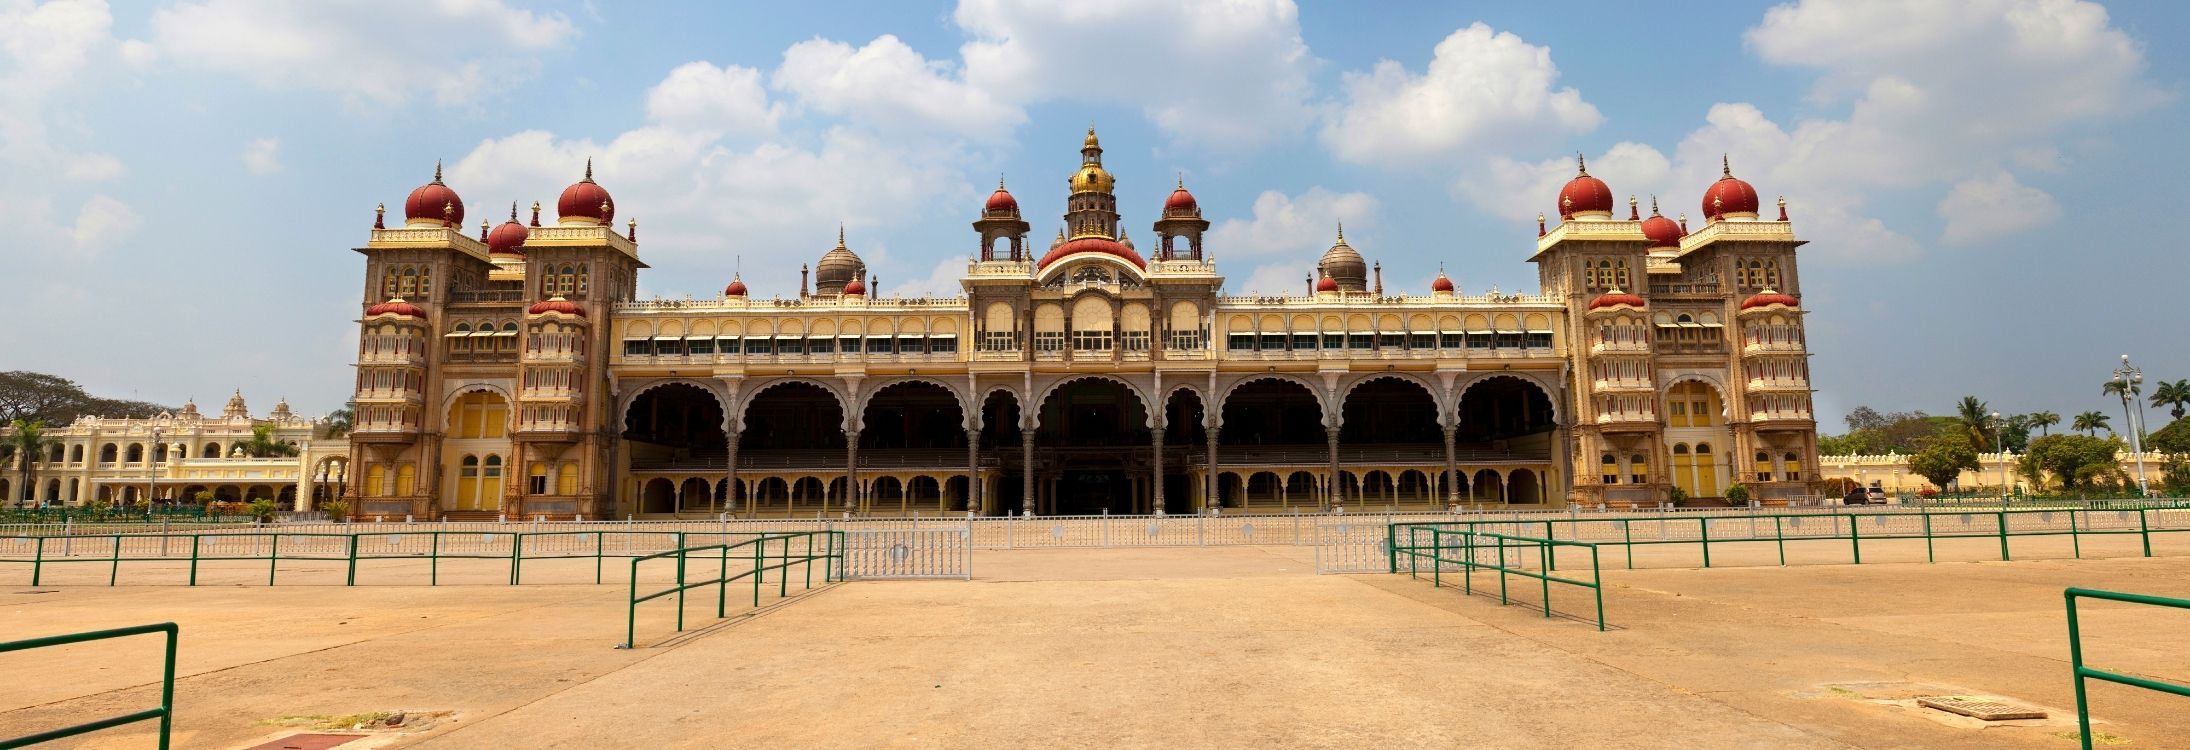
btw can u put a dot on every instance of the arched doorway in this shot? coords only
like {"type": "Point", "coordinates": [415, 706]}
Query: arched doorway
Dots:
{"type": "Point", "coordinates": [795, 426]}
{"type": "Point", "coordinates": [913, 423]}
{"type": "Point", "coordinates": [673, 431]}
{"type": "Point", "coordinates": [1185, 432]}
{"type": "Point", "coordinates": [1001, 437]}
{"type": "Point", "coordinates": [1086, 435]}
{"type": "Point", "coordinates": [1506, 421]}
{"type": "Point", "coordinates": [1695, 426]}
{"type": "Point", "coordinates": [1392, 421]}
{"type": "Point", "coordinates": [1269, 423]}
{"type": "Point", "coordinates": [474, 452]}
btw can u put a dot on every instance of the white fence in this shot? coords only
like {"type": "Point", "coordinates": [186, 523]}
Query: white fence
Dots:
{"type": "Point", "coordinates": [883, 554]}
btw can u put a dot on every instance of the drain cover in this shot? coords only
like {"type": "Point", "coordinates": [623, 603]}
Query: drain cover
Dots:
{"type": "Point", "coordinates": [1984, 709]}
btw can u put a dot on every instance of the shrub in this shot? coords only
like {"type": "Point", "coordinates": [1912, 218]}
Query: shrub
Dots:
{"type": "Point", "coordinates": [336, 509]}
{"type": "Point", "coordinates": [1738, 494]}
{"type": "Point", "coordinates": [263, 509]}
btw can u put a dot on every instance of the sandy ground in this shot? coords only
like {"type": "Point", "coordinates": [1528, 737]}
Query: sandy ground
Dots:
{"type": "Point", "coordinates": [1215, 647]}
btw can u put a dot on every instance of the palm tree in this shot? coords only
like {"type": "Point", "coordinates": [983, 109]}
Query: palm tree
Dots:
{"type": "Point", "coordinates": [2128, 390]}
{"type": "Point", "coordinates": [1976, 417]}
{"type": "Point", "coordinates": [28, 441]}
{"type": "Point", "coordinates": [2042, 420]}
{"type": "Point", "coordinates": [2175, 396]}
{"type": "Point", "coordinates": [2090, 423]}
{"type": "Point", "coordinates": [340, 421]}
{"type": "Point", "coordinates": [263, 444]}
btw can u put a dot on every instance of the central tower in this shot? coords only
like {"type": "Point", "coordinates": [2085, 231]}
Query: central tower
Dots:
{"type": "Point", "coordinates": [1092, 211]}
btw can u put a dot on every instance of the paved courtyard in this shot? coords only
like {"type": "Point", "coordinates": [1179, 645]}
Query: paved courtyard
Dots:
{"type": "Point", "coordinates": [1214, 647]}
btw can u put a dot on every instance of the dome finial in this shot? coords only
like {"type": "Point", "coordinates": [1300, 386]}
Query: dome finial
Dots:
{"type": "Point", "coordinates": [1581, 165]}
{"type": "Point", "coordinates": [1633, 214]}
{"type": "Point", "coordinates": [1182, 180]}
{"type": "Point", "coordinates": [840, 235]}
{"type": "Point", "coordinates": [536, 213]}
{"type": "Point", "coordinates": [999, 180]}
{"type": "Point", "coordinates": [436, 172]}
{"type": "Point", "coordinates": [589, 170]}
{"type": "Point", "coordinates": [1726, 168]}
{"type": "Point", "coordinates": [513, 211]}
{"type": "Point", "coordinates": [1342, 231]}
{"type": "Point", "coordinates": [1653, 205]}
{"type": "Point", "coordinates": [380, 214]}
{"type": "Point", "coordinates": [1783, 208]}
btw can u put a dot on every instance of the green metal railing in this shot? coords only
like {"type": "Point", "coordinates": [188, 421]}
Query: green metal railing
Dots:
{"type": "Point", "coordinates": [1707, 532]}
{"type": "Point", "coordinates": [349, 550]}
{"type": "Point", "coordinates": [1470, 545]}
{"type": "Point", "coordinates": [165, 712]}
{"type": "Point", "coordinates": [2076, 654]}
{"type": "Point", "coordinates": [830, 555]}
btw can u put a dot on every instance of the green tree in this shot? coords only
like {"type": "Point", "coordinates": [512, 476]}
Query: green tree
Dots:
{"type": "Point", "coordinates": [1974, 421]}
{"type": "Point", "coordinates": [2174, 438]}
{"type": "Point", "coordinates": [2074, 460]}
{"type": "Point", "coordinates": [2090, 423]}
{"type": "Point", "coordinates": [1943, 461]}
{"type": "Point", "coordinates": [2175, 396]}
{"type": "Point", "coordinates": [2043, 420]}
{"type": "Point", "coordinates": [55, 400]}
{"type": "Point", "coordinates": [341, 421]}
{"type": "Point", "coordinates": [263, 444]}
{"type": "Point", "coordinates": [28, 443]}
{"type": "Point", "coordinates": [2128, 391]}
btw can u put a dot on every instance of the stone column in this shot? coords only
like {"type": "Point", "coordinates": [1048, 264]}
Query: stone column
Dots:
{"type": "Point", "coordinates": [1155, 503]}
{"type": "Point", "coordinates": [973, 469]}
{"type": "Point", "coordinates": [851, 469]}
{"type": "Point", "coordinates": [1452, 466]}
{"type": "Point", "coordinates": [730, 477]}
{"type": "Point", "coordinates": [1026, 471]}
{"type": "Point", "coordinates": [1338, 490]}
{"type": "Point", "coordinates": [1212, 485]}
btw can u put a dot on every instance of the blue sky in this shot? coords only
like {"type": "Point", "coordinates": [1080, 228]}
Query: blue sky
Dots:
{"type": "Point", "coordinates": [1983, 183]}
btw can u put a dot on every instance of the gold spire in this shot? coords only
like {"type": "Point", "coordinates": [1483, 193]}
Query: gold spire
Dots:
{"type": "Point", "coordinates": [1726, 169]}
{"type": "Point", "coordinates": [840, 236]}
{"type": "Point", "coordinates": [1341, 232]}
{"type": "Point", "coordinates": [437, 171]}
{"type": "Point", "coordinates": [589, 170]}
{"type": "Point", "coordinates": [1581, 165]}
{"type": "Point", "coordinates": [1653, 205]}
{"type": "Point", "coordinates": [1182, 180]}
{"type": "Point", "coordinates": [513, 212]}
{"type": "Point", "coordinates": [1091, 141]}
{"type": "Point", "coordinates": [999, 180]}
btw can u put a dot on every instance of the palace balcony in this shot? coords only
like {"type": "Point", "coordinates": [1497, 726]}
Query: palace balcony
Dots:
{"type": "Point", "coordinates": [1679, 288]}
{"type": "Point", "coordinates": [1620, 347]}
{"type": "Point", "coordinates": [1782, 347]}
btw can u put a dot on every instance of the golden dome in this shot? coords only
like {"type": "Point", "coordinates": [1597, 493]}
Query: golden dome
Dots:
{"type": "Point", "coordinates": [1092, 178]}
{"type": "Point", "coordinates": [1090, 142]}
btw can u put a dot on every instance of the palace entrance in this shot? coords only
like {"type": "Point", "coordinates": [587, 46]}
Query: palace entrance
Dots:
{"type": "Point", "coordinates": [1092, 450]}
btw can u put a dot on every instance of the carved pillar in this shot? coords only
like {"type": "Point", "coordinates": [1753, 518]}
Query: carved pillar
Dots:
{"type": "Point", "coordinates": [1210, 496]}
{"type": "Point", "coordinates": [730, 476]}
{"type": "Point", "coordinates": [851, 469]}
{"type": "Point", "coordinates": [1026, 463]}
{"type": "Point", "coordinates": [1156, 490]}
{"type": "Point", "coordinates": [973, 469]}
{"type": "Point", "coordinates": [1452, 467]}
{"type": "Point", "coordinates": [1338, 488]}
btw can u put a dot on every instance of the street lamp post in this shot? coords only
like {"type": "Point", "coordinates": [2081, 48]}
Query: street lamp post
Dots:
{"type": "Point", "coordinates": [2129, 377]}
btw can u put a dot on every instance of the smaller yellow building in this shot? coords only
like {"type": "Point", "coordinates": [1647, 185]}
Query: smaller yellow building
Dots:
{"type": "Point", "coordinates": [174, 456]}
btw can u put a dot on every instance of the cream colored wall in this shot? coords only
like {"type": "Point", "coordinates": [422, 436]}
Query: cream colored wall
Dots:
{"type": "Point", "coordinates": [1891, 471]}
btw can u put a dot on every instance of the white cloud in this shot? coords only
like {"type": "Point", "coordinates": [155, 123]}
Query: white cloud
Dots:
{"type": "Point", "coordinates": [1983, 208]}
{"type": "Point", "coordinates": [1521, 190]}
{"type": "Point", "coordinates": [369, 52]}
{"type": "Point", "coordinates": [1300, 227]}
{"type": "Point", "coordinates": [262, 156]}
{"type": "Point", "coordinates": [1484, 89]}
{"type": "Point", "coordinates": [1275, 279]}
{"type": "Point", "coordinates": [941, 281]}
{"type": "Point", "coordinates": [93, 167]}
{"type": "Point", "coordinates": [887, 82]}
{"type": "Point", "coordinates": [102, 223]}
{"type": "Point", "coordinates": [1225, 76]}
{"type": "Point", "coordinates": [701, 96]}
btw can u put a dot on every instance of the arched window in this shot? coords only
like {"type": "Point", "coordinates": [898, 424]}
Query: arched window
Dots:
{"type": "Point", "coordinates": [581, 281]}
{"type": "Point", "coordinates": [108, 453]}
{"type": "Point", "coordinates": [387, 283]}
{"type": "Point", "coordinates": [566, 478]}
{"type": "Point", "coordinates": [406, 480]}
{"type": "Point", "coordinates": [425, 283]}
{"type": "Point", "coordinates": [76, 454]}
{"type": "Point", "coordinates": [212, 450]}
{"type": "Point", "coordinates": [1611, 469]}
{"type": "Point", "coordinates": [376, 481]}
{"type": "Point", "coordinates": [536, 479]}
{"type": "Point", "coordinates": [409, 286]}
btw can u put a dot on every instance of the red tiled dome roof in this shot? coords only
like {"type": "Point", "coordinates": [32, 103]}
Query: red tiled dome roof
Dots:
{"type": "Point", "coordinates": [1181, 201]}
{"type": "Point", "coordinates": [1102, 245]}
{"type": "Point", "coordinates": [506, 239]}
{"type": "Point", "coordinates": [1617, 297]}
{"type": "Point", "coordinates": [735, 289]}
{"type": "Point", "coordinates": [557, 304]}
{"type": "Point", "coordinates": [395, 306]}
{"type": "Point", "coordinates": [1001, 201]}
{"type": "Point", "coordinates": [855, 288]}
{"type": "Point", "coordinates": [1663, 232]}
{"type": "Point", "coordinates": [1730, 195]}
{"type": "Point", "coordinates": [435, 202]}
{"type": "Point", "coordinates": [1584, 193]}
{"type": "Point", "coordinates": [586, 199]}
{"type": "Point", "coordinates": [1441, 283]}
{"type": "Point", "coordinates": [1768, 298]}
{"type": "Point", "coordinates": [1326, 284]}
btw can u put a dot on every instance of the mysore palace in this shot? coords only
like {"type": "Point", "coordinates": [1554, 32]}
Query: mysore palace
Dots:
{"type": "Point", "coordinates": [513, 371]}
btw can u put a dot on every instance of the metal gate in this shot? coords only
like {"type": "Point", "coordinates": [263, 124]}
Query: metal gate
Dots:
{"type": "Point", "coordinates": [1357, 545]}
{"type": "Point", "coordinates": [882, 554]}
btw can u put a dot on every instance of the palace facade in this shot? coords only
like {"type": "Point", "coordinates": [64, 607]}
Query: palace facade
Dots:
{"type": "Point", "coordinates": [176, 456]}
{"type": "Point", "coordinates": [513, 372]}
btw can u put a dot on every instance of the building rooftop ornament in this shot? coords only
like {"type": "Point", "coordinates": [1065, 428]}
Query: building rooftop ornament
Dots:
{"type": "Point", "coordinates": [1729, 197]}
{"type": "Point", "coordinates": [1584, 196]}
{"type": "Point", "coordinates": [434, 204]}
{"type": "Point", "coordinates": [837, 268]}
{"type": "Point", "coordinates": [585, 202]}
{"type": "Point", "coordinates": [1343, 265]}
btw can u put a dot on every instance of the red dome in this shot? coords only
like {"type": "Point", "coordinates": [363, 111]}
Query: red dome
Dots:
{"type": "Point", "coordinates": [1729, 195]}
{"type": "Point", "coordinates": [586, 199]}
{"type": "Point", "coordinates": [1441, 283]}
{"type": "Point", "coordinates": [1584, 194]}
{"type": "Point", "coordinates": [735, 289]}
{"type": "Point", "coordinates": [557, 304]}
{"type": "Point", "coordinates": [505, 239]}
{"type": "Point", "coordinates": [1181, 201]}
{"type": "Point", "coordinates": [855, 288]}
{"type": "Point", "coordinates": [434, 201]}
{"type": "Point", "coordinates": [1767, 298]}
{"type": "Point", "coordinates": [1102, 245]}
{"type": "Point", "coordinates": [395, 306]}
{"type": "Point", "coordinates": [1326, 284]}
{"type": "Point", "coordinates": [1617, 297]}
{"type": "Point", "coordinates": [1663, 232]}
{"type": "Point", "coordinates": [1001, 201]}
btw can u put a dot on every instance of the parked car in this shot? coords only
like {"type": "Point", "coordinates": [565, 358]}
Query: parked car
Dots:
{"type": "Point", "coordinates": [1856, 496]}
{"type": "Point", "coordinates": [1875, 496]}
